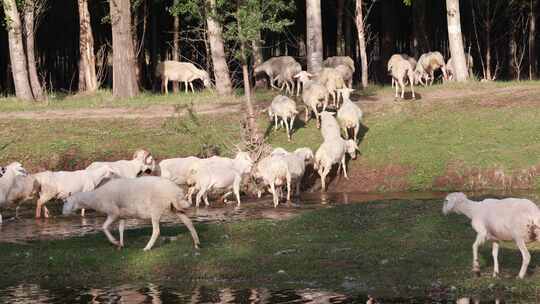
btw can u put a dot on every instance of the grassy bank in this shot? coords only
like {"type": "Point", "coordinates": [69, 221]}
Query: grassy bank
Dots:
{"type": "Point", "coordinates": [385, 247]}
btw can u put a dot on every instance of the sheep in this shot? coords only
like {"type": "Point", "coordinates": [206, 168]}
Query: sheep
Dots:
{"type": "Point", "coordinates": [396, 58]}
{"type": "Point", "coordinates": [450, 66]}
{"type": "Point", "coordinates": [8, 181]}
{"type": "Point", "coordinates": [285, 108]}
{"type": "Point", "coordinates": [24, 188]}
{"type": "Point", "coordinates": [498, 220]}
{"type": "Point", "coordinates": [141, 162]}
{"type": "Point", "coordinates": [180, 71]}
{"type": "Point", "coordinates": [314, 94]}
{"type": "Point", "coordinates": [218, 173]}
{"type": "Point", "coordinates": [332, 80]}
{"type": "Point", "coordinates": [332, 62]}
{"type": "Point", "coordinates": [349, 115]}
{"type": "Point", "coordinates": [62, 184]}
{"type": "Point", "coordinates": [274, 171]}
{"type": "Point", "coordinates": [286, 80]}
{"type": "Point", "coordinates": [346, 73]}
{"type": "Point", "coordinates": [296, 163]}
{"type": "Point", "coordinates": [332, 152]}
{"type": "Point", "coordinates": [274, 67]}
{"type": "Point", "coordinates": [329, 126]}
{"type": "Point", "coordinates": [401, 69]}
{"type": "Point", "coordinates": [427, 64]}
{"type": "Point", "coordinates": [177, 169]}
{"type": "Point", "coordinates": [147, 197]}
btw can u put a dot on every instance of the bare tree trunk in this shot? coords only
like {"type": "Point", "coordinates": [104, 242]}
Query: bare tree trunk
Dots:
{"type": "Point", "coordinates": [347, 35]}
{"type": "Point", "coordinates": [176, 44]}
{"type": "Point", "coordinates": [488, 53]}
{"type": "Point", "coordinates": [314, 35]}
{"type": "Point", "coordinates": [532, 40]}
{"type": "Point", "coordinates": [124, 63]}
{"type": "Point", "coordinates": [87, 62]}
{"type": "Point", "coordinates": [340, 41]}
{"type": "Point", "coordinates": [221, 70]}
{"type": "Point", "coordinates": [29, 30]}
{"type": "Point", "coordinates": [456, 40]}
{"type": "Point", "coordinates": [16, 51]}
{"type": "Point", "coordinates": [420, 42]}
{"type": "Point", "coordinates": [362, 42]}
{"type": "Point", "coordinates": [512, 47]}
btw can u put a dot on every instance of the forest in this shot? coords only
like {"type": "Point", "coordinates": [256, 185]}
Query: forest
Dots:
{"type": "Point", "coordinates": [70, 46]}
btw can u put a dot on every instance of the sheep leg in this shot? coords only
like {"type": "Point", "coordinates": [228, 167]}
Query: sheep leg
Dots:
{"type": "Point", "coordinates": [82, 212]}
{"type": "Point", "coordinates": [275, 122]}
{"type": "Point", "coordinates": [287, 129]}
{"type": "Point", "coordinates": [206, 199]}
{"type": "Point", "coordinates": [43, 198]}
{"type": "Point", "coordinates": [291, 125]}
{"type": "Point", "coordinates": [199, 197]}
{"type": "Point", "coordinates": [307, 114]}
{"type": "Point", "coordinates": [288, 187]}
{"type": "Point", "coordinates": [272, 85]}
{"type": "Point", "coordinates": [412, 87]}
{"type": "Point", "coordinates": [0, 219]}
{"type": "Point", "coordinates": [236, 189]}
{"type": "Point", "coordinates": [356, 130]}
{"type": "Point", "coordinates": [396, 96]}
{"type": "Point", "coordinates": [402, 85]}
{"type": "Point", "coordinates": [298, 84]}
{"type": "Point", "coordinates": [191, 190]}
{"type": "Point", "coordinates": [325, 103]}
{"type": "Point", "coordinates": [191, 86]}
{"type": "Point", "coordinates": [323, 173]}
{"type": "Point", "coordinates": [480, 238]}
{"type": "Point", "coordinates": [110, 219]}
{"type": "Point", "coordinates": [432, 78]}
{"type": "Point", "coordinates": [165, 84]}
{"type": "Point", "coordinates": [495, 253]}
{"type": "Point", "coordinates": [121, 226]}
{"type": "Point", "coordinates": [526, 258]}
{"type": "Point", "coordinates": [298, 184]}
{"type": "Point", "coordinates": [155, 233]}
{"type": "Point", "coordinates": [187, 222]}
{"type": "Point", "coordinates": [344, 165]}
{"type": "Point", "coordinates": [274, 194]}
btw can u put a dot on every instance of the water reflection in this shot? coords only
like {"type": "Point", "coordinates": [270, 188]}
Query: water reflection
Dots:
{"type": "Point", "coordinates": [155, 294]}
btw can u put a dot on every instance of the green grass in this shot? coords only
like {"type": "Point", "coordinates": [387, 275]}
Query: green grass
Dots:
{"type": "Point", "coordinates": [406, 247]}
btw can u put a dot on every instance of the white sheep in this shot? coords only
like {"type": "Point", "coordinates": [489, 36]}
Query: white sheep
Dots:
{"type": "Point", "coordinates": [498, 220]}
{"type": "Point", "coordinates": [314, 95]}
{"type": "Point", "coordinates": [334, 61]}
{"type": "Point", "coordinates": [274, 67]}
{"type": "Point", "coordinates": [346, 73]}
{"type": "Point", "coordinates": [284, 108]}
{"type": "Point", "coordinates": [450, 66]}
{"type": "Point", "coordinates": [8, 180]}
{"type": "Point", "coordinates": [296, 162]}
{"type": "Point", "coordinates": [148, 197]}
{"type": "Point", "coordinates": [273, 171]}
{"type": "Point", "coordinates": [426, 66]}
{"type": "Point", "coordinates": [182, 72]}
{"type": "Point", "coordinates": [332, 152]}
{"type": "Point", "coordinates": [396, 58]}
{"type": "Point", "coordinates": [400, 70]}
{"type": "Point", "coordinates": [177, 169]}
{"type": "Point", "coordinates": [62, 184]}
{"type": "Point", "coordinates": [349, 115]}
{"type": "Point", "coordinates": [332, 80]}
{"type": "Point", "coordinates": [329, 126]}
{"type": "Point", "coordinates": [218, 173]}
{"type": "Point", "coordinates": [286, 80]}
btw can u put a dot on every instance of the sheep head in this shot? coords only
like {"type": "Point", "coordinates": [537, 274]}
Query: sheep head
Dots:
{"type": "Point", "coordinates": [452, 200]}
{"type": "Point", "coordinates": [345, 93]}
{"type": "Point", "coordinates": [305, 153]}
{"type": "Point", "coordinates": [206, 79]}
{"type": "Point", "coordinates": [71, 204]}
{"type": "Point", "coordinates": [352, 147]}
{"type": "Point", "coordinates": [303, 76]}
{"type": "Point", "coordinates": [243, 162]}
{"type": "Point", "coordinates": [16, 168]}
{"type": "Point", "coordinates": [146, 159]}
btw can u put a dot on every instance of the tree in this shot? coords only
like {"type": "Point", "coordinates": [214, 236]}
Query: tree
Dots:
{"type": "Point", "coordinates": [215, 36]}
{"type": "Point", "coordinates": [532, 40]}
{"type": "Point", "coordinates": [314, 40]}
{"type": "Point", "coordinates": [124, 63]}
{"type": "Point", "coordinates": [455, 40]}
{"type": "Point", "coordinates": [176, 42]}
{"type": "Point", "coordinates": [87, 61]}
{"type": "Point", "coordinates": [362, 42]}
{"type": "Point", "coordinates": [17, 55]}
{"type": "Point", "coordinates": [32, 10]}
{"type": "Point", "coordinates": [340, 38]}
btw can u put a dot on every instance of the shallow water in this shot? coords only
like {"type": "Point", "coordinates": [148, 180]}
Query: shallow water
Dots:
{"type": "Point", "coordinates": [155, 294]}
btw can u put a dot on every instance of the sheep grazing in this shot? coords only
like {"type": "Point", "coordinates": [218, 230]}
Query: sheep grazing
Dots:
{"type": "Point", "coordinates": [273, 171]}
{"type": "Point", "coordinates": [349, 115]}
{"type": "Point", "coordinates": [286, 79]}
{"type": "Point", "coordinates": [346, 73]}
{"type": "Point", "coordinates": [426, 66]}
{"type": "Point", "coordinates": [296, 163]}
{"type": "Point", "coordinates": [314, 95]}
{"type": "Point", "coordinates": [498, 220]}
{"type": "Point", "coordinates": [182, 72]}
{"type": "Point", "coordinates": [148, 197]}
{"type": "Point", "coordinates": [396, 58]}
{"type": "Point", "coordinates": [401, 69]}
{"type": "Point", "coordinates": [450, 66]}
{"type": "Point", "coordinates": [339, 63]}
{"type": "Point", "coordinates": [332, 152]}
{"type": "Point", "coordinates": [329, 126]}
{"type": "Point", "coordinates": [218, 173]}
{"type": "Point", "coordinates": [274, 67]}
{"type": "Point", "coordinates": [11, 184]}
{"type": "Point", "coordinates": [332, 80]}
{"type": "Point", "coordinates": [285, 108]}
{"type": "Point", "coordinates": [177, 169]}
{"type": "Point", "coordinates": [62, 184]}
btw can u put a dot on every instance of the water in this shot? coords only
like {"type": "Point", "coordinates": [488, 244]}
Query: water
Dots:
{"type": "Point", "coordinates": [155, 294]}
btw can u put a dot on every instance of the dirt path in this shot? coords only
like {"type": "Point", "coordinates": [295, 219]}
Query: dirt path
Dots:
{"type": "Point", "coordinates": [490, 95]}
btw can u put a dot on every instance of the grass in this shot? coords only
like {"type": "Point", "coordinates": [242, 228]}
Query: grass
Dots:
{"type": "Point", "coordinates": [385, 247]}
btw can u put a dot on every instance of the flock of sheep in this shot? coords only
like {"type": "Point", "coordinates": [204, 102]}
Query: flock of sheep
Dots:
{"type": "Point", "coordinates": [118, 190]}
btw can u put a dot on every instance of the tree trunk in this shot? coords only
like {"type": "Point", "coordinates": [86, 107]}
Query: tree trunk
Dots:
{"type": "Point", "coordinates": [488, 53]}
{"type": "Point", "coordinates": [314, 36]}
{"type": "Point", "coordinates": [176, 44]}
{"type": "Point", "coordinates": [347, 34]}
{"type": "Point", "coordinates": [124, 63]}
{"type": "Point", "coordinates": [29, 30]}
{"type": "Point", "coordinates": [362, 42]}
{"type": "Point", "coordinates": [340, 41]}
{"type": "Point", "coordinates": [456, 40]}
{"type": "Point", "coordinates": [221, 70]}
{"type": "Point", "coordinates": [87, 61]}
{"type": "Point", "coordinates": [532, 40]}
{"type": "Point", "coordinates": [420, 43]}
{"type": "Point", "coordinates": [16, 51]}
{"type": "Point", "coordinates": [512, 48]}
